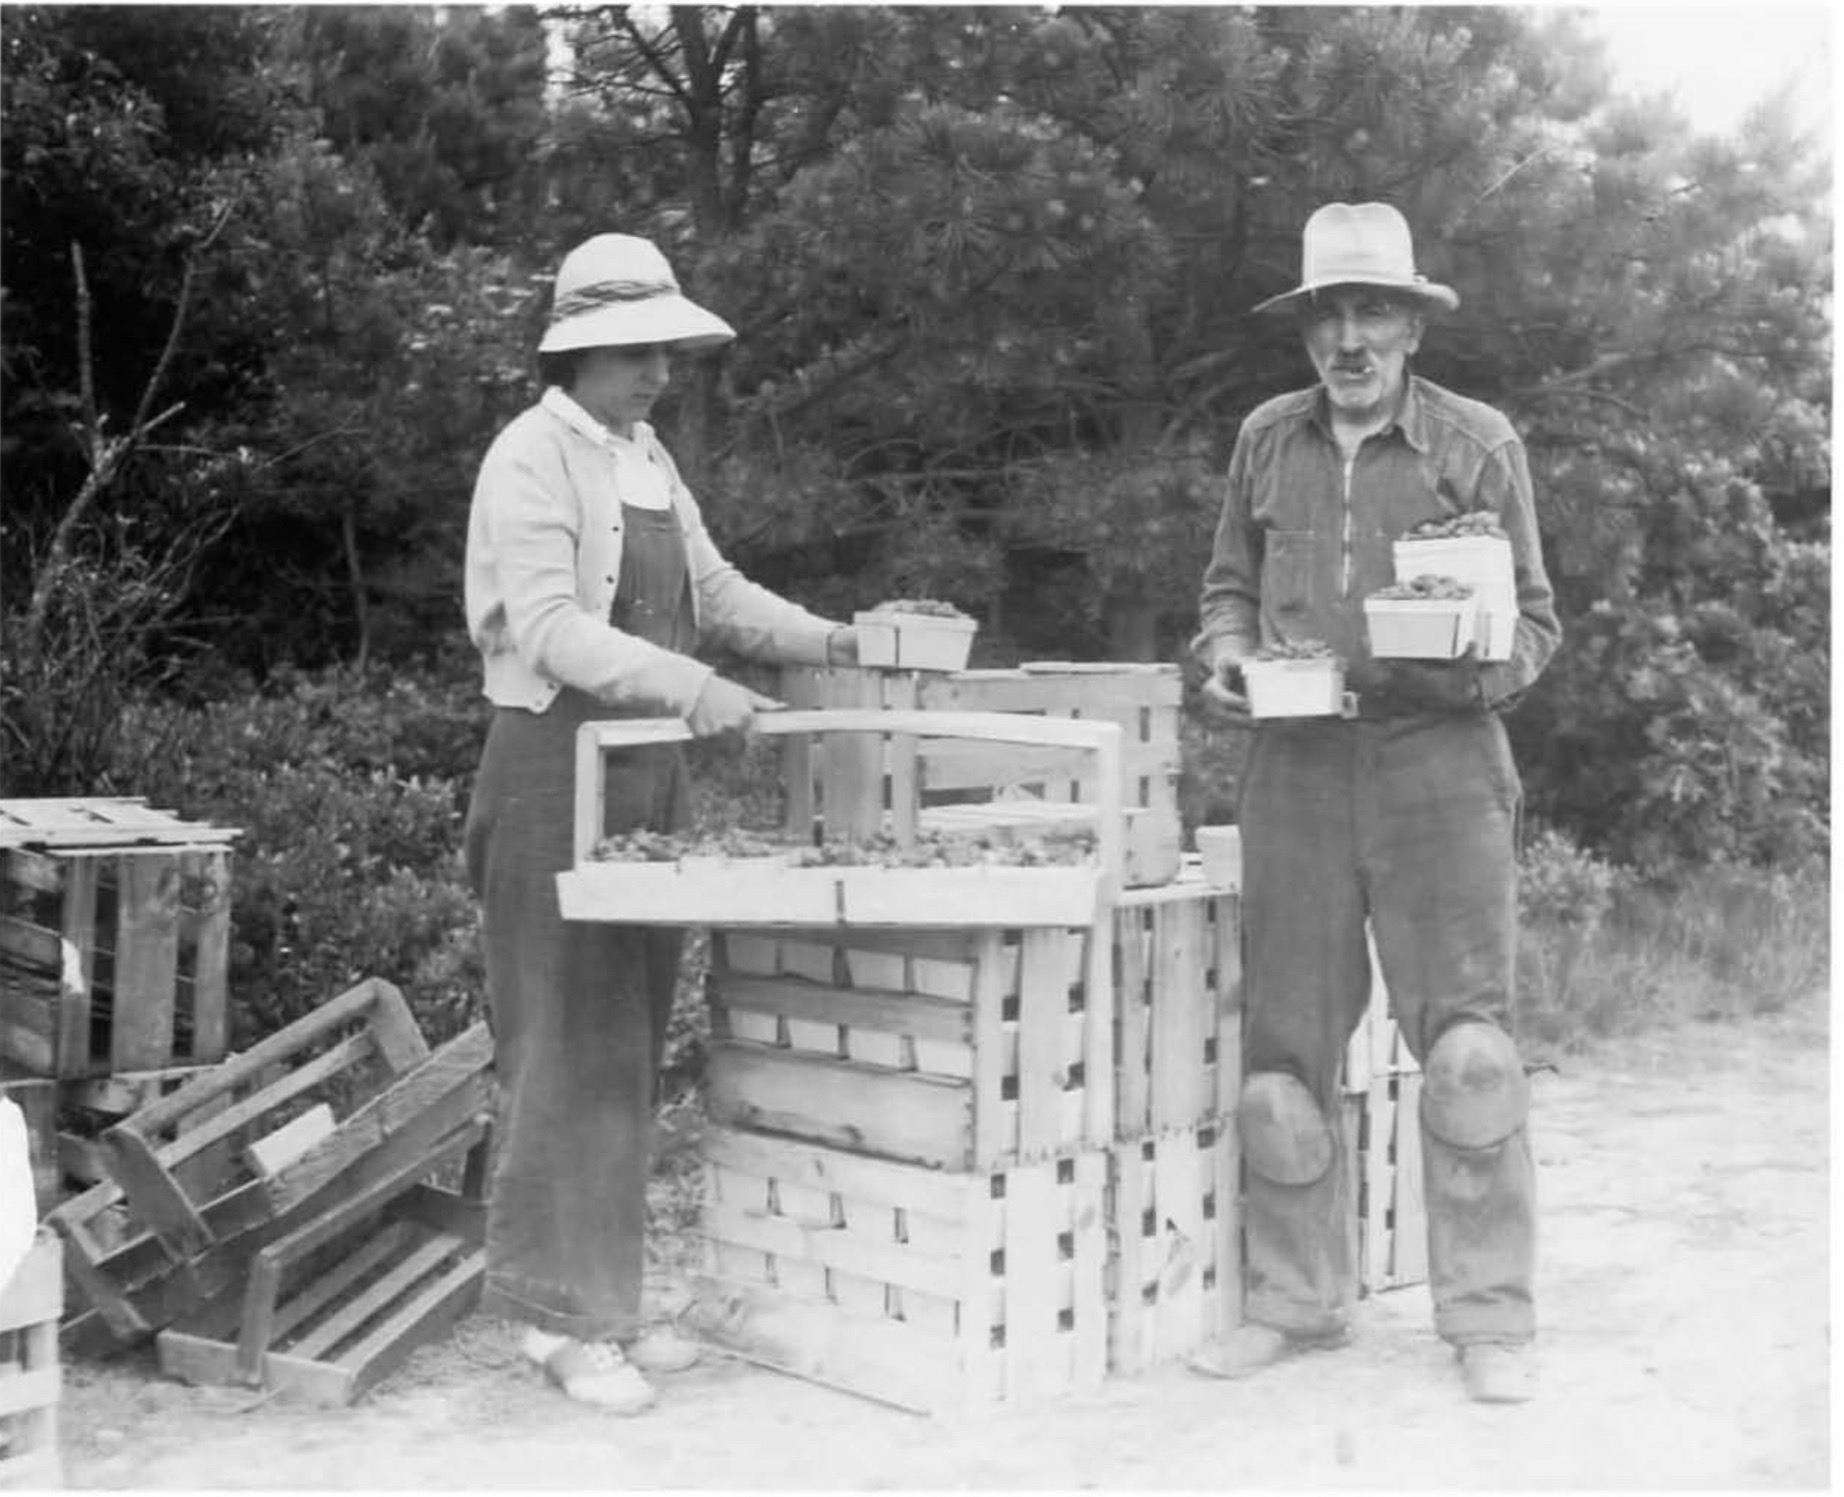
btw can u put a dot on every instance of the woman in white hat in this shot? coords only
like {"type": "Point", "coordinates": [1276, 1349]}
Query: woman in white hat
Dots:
{"type": "Point", "coordinates": [590, 579]}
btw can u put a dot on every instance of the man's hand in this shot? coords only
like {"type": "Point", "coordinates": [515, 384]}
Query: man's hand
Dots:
{"type": "Point", "coordinates": [842, 646]}
{"type": "Point", "coordinates": [1225, 695]}
{"type": "Point", "coordinates": [725, 707]}
{"type": "Point", "coordinates": [1437, 685]}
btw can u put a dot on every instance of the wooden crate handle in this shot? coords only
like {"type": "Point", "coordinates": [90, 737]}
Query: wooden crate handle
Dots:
{"type": "Point", "coordinates": [1103, 739]}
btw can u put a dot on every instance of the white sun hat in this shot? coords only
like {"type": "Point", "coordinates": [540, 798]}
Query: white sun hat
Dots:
{"type": "Point", "coordinates": [618, 289]}
{"type": "Point", "coordinates": [1362, 244]}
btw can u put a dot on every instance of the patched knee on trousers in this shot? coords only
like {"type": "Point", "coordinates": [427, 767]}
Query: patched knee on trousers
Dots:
{"type": "Point", "coordinates": [1474, 1092]}
{"type": "Point", "coordinates": [1285, 1137]}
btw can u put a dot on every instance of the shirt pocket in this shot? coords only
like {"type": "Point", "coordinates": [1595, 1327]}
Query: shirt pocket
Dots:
{"type": "Point", "coordinates": [1290, 584]}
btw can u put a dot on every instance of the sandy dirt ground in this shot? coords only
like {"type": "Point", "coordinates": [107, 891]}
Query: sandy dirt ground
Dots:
{"type": "Point", "coordinates": [1685, 1344]}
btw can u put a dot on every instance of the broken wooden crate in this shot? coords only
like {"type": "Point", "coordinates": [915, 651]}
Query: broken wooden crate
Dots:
{"type": "Point", "coordinates": [854, 787]}
{"type": "Point", "coordinates": [114, 937]}
{"type": "Point", "coordinates": [339, 1302]}
{"type": "Point", "coordinates": [775, 891]}
{"type": "Point", "coordinates": [31, 1378]}
{"type": "Point", "coordinates": [1380, 1130]}
{"type": "Point", "coordinates": [956, 1048]}
{"type": "Point", "coordinates": [243, 1123]}
{"type": "Point", "coordinates": [938, 1292]}
{"type": "Point", "coordinates": [1175, 1239]}
{"type": "Point", "coordinates": [136, 1281]}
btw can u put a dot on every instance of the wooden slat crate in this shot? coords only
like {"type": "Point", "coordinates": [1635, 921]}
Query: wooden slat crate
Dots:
{"type": "Point", "coordinates": [133, 1285]}
{"type": "Point", "coordinates": [31, 1379]}
{"type": "Point", "coordinates": [223, 1131]}
{"type": "Point", "coordinates": [851, 788]}
{"type": "Point", "coordinates": [1382, 1140]}
{"type": "Point", "coordinates": [1175, 1229]}
{"type": "Point", "coordinates": [113, 959]}
{"type": "Point", "coordinates": [1178, 1002]}
{"type": "Point", "coordinates": [943, 1293]}
{"type": "Point", "coordinates": [957, 1049]}
{"type": "Point", "coordinates": [341, 1301]}
{"type": "Point", "coordinates": [701, 890]}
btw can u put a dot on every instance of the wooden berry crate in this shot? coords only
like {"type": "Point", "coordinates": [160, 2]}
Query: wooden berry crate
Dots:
{"type": "Point", "coordinates": [1177, 963]}
{"type": "Point", "coordinates": [337, 1304]}
{"type": "Point", "coordinates": [31, 1380]}
{"type": "Point", "coordinates": [229, 1129]}
{"type": "Point", "coordinates": [113, 959]}
{"type": "Point", "coordinates": [938, 1292]}
{"type": "Point", "coordinates": [1175, 1235]}
{"type": "Point", "coordinates": [766, 891]}
{"type": "Point", "coordinates": [956, 1049]}
{"type": "Point", "coordinates": [1381, 1134]}
{"type": "Point", "coordinates": [854, 788]}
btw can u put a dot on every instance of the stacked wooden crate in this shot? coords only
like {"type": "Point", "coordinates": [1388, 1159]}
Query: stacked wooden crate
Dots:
{"type": "Point", "coordinates": [1176, 1162]}
{"type": "Point", "coordinates": [907, 1177]}
{"type": "Point", "coordinates": [114, 945]}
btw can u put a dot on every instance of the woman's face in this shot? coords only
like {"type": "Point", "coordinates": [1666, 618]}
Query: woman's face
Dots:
{"type": "Point", "coordinates": [619, 385]}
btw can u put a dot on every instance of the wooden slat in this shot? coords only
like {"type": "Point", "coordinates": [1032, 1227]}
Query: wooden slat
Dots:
{"type": "Point", "coordinates": [1178, 1022]}
{"type": "Point", "coordinates": [76, 987]}
{"type": "Point", "coordinates": [210, 872]}
{"type": "Point", "coordinates": [938, 1019]}
{"type": "Point", "coordinates": [1132, 1333]}
{"type": "Point", "coordinates": [871, 1181]}
{"type": "Point", "coordinates": [1088, 1271]}
{"type": "Point", "coordinates": [267, 1318]}
{"type": "Point", "coordinates": [1226, 1237]}
{"type": "Point", "coordinates": [993, 1137]}
{"type": "Point", "coordinates": [1131, 938]}
{"type": "Point", "coordinates": [1043, 999]}
{"type": "Point", "coordinates": [1179, 1196]}
{"type": "Point", "coordinates": [25, 944]}
{"type": "Point", "coordinates": [901, 1115]}
{"type": "Point", "coordinates": [434, 1310]}
{"type": "Point", "coordinates": [1379, 1180]}
{"type": "Point", "coordinates": [1409, 1240]}
{"type": "Point", "coordinates": [819, 1242]}
{"type": "Point", "coordinates": [352, 1316]}
{"type": "Point", "coordinates": [146, 960]}
{"type": "Point", "coordinates": [1032, 1276]}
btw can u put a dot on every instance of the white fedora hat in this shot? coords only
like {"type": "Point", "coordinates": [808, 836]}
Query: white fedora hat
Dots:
{"type": "Point", "coordinates": [617, 289]}
{"type": "Point", "coordinates": [1362, 244]}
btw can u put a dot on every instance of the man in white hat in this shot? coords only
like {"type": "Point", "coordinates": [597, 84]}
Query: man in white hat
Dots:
{"type": "Point", "coordinates": [590, 580]}
{"type": "Point", "coordinates": [1400, 816]}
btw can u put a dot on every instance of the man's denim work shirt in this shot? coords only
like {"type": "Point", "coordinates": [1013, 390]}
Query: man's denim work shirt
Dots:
{"type": "Point", "coordinates": [1304, 537]}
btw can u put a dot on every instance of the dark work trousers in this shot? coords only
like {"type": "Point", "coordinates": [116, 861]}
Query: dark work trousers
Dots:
{"type": "Point", "coordinates": [578, 1009]}
{"type": "Point", "coordinates": [1411, 822]}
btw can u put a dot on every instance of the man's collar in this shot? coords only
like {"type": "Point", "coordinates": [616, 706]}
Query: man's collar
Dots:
{"type": "Point", "coordinates": [1411, 416]}
{"type": "Point", "coordinates": [564, 406]}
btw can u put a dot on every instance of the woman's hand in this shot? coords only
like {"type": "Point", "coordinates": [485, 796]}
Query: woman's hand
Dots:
{"type": "Point", "coordinates": [842, 646]}
{"type": "Point", "coordinates": [725, 707]}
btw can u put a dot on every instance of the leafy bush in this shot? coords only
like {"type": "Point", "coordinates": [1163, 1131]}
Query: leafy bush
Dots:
{"type": "Point", "coordinates": [349, 793]}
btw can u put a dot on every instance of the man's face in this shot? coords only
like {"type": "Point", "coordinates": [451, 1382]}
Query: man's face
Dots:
{"type": "Point", "coordinates": [619, 385]}
{"type": "Point", "coordinates": [1359, 339]}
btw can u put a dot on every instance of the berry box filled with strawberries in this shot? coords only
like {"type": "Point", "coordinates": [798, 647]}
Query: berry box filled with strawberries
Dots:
{"type": "Point", "coordinates": [1425, 618]}
{"type": "Point", "coordinates": [1295, 679]}
{"type": "Point", "coordinates": [914, 634]}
